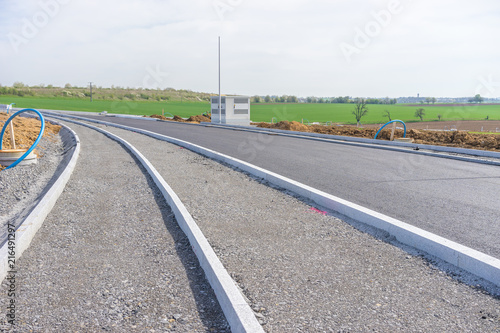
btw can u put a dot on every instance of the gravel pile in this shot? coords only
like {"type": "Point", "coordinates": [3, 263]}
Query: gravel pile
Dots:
{"type": "Point", "coordinates": [22, 185]}
{"type": "Point", "coordinates": [110, 257]}
{"type": "Point", "coordinates": [304, 270]}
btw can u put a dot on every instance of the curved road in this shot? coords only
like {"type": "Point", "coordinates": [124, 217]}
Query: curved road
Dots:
{"type": "Point", "coordinates": [453, 199]}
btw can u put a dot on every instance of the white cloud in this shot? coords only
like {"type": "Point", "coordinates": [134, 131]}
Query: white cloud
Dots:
{"type": "Point", "coordinates": [268, 47]}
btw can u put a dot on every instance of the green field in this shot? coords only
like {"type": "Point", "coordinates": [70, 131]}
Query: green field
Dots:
{"type": "Point", "coordinates": [341, 113]}
{"type": "Point", "coordinates": [183, 109]}
{"type": "Point", "coordinates": [336, 113]}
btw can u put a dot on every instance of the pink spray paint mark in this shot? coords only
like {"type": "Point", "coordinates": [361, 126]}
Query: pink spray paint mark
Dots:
{"type": "Point", "coordinates": [315, 210]}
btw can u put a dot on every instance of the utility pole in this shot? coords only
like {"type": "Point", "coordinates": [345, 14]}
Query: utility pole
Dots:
{"type": "Point", "coordinates": [90, 91]}
{"type": "Point", "coordinates": [220, 105]}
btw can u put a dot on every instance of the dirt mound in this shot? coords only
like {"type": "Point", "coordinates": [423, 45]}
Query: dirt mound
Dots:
{"type": "Point", "coordinates": [158, 116]}
{"type": "Point", "coordinates": [199, 119]}
{"type": "Point", "coordinates": [442, 138]}
{"type": "Point", "coordinates": [457, 139]}
{"type": "Point", "coordinates": [287, 125]}
{"type": "Point", "coordinates": [26, 131]}
{"type": "Point", "coordinates": [193, 119]}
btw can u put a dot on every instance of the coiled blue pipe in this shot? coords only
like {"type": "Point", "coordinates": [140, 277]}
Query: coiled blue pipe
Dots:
{"type": "Point", "coordinates": [33, 145]}
{"type": "Point", "coordinates": [390, 122]}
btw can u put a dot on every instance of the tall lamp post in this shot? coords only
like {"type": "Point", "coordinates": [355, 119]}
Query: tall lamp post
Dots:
{"type": "Point", "coordinates": [220, 105]}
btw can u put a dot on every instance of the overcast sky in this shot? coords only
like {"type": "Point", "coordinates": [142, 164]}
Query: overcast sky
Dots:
{"type": "Point", "coordinates": [370, 48]}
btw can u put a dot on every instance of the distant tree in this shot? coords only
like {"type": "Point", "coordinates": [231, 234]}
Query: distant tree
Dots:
{"type": "Point", "coordinates": [420, 113]}
{"type": "Point", "coordinates": [433, 100]}
{"type": "Point", "coordinates": [360, 110]}
{"type": "Point", "coordinates": [387, 114]}
{"type": "Point", "coordinates": [256, 99]}
{"type": "Point", "coordinates": [291, 99]}
{"type": "Point", "coordinates": [421, 102]}
{"type": "Point", "coordinates": [67, 86]}
{"type": "Point", "coordinates": [476, 99]}
{"type": "Point", "coordinates": [267, 99]}
{"type": "Point", "coordinates": [428, 100]}
{"type": "Point", "coordinates": [18, 85]}
{"type": "Point", "coordinates": [341, 99]}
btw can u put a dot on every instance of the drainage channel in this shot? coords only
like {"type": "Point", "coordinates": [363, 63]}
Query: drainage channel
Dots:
{"type": "Point", "coordinates": [111, 256]}
{"type": "Point", "coordinates": [304, 269]}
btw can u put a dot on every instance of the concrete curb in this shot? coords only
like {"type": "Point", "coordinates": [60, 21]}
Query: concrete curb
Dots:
{"type": "Point", "coordinates": [32, 223]}
{"type": "Point", "coordinates": [237, 311]}
{"type": "Point", "coordinates": [454, 150]}
{"type": "Point", "coordinates": [346, 140]}
{"type": "Point", "coordinates": [468, 259]}
{"type": "Point", "coordinates": [434, 151]}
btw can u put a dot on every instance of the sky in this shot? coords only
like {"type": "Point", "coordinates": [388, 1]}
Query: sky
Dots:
{"type": "Point", "coordinates": [324, 48]}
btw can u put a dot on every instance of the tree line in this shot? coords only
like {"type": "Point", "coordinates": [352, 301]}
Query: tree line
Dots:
{"type": "Point", "coordinates": [312, 99]}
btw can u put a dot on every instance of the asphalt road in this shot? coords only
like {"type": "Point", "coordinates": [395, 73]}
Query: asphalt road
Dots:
{"type": "Point", "coordinates": [454, 199]}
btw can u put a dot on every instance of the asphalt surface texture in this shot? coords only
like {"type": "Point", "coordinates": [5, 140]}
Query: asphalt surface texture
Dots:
{"type": "Point", "coordinates": [453, 199]}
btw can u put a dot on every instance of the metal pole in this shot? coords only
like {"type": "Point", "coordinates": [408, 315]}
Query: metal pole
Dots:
{"type": "Point", "coordinates": [220, 105]}
{"type": "Point", "coordinates": [12, 136]}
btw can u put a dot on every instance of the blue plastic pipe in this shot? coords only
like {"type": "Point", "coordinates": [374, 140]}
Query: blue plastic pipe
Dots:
{"type": "Point", "coordinates": [390, 122]}
{"type": "Point", "coordinates": [33, 145]}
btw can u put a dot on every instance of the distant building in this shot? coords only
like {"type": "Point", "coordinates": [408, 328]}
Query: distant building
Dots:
{"type": "Point", "coordinates": [235, 110]}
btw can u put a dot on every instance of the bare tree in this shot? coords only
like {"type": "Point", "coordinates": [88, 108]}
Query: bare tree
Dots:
{"type": "Point", "coordinates": [387, 114]}
{"type": "Point", "coordinates": [420, 113]}
{"type": "Point", "coordinates": [360, 110]}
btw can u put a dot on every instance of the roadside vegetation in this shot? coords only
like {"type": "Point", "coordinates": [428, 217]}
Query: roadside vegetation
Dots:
{"type": "Point", "coordinates": [186, 103]}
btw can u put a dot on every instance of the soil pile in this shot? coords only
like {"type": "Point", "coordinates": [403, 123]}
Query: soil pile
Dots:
{"type": "Point", "coordinates": [193, 119]}
{"type": "Point", "coordinates": [199, 119]}
{"type": "Point", "coordinates": [26, 131]}
{"type": "Point", "coordinates": [448, 138]}
{"type": "Point", "coordinates": [457, 139]}
{"type": "Point", "coordinates": [158, 116]}
{"type": "Point", "coordinates": [287, 125]}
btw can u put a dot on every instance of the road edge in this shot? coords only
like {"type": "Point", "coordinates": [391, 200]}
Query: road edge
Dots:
{"type": "Point", "coordinates": [237, 311]}
{"type": "Point", "coordinates": [463, 257]}
{"type": "Point", "coordinates": [26, 231]}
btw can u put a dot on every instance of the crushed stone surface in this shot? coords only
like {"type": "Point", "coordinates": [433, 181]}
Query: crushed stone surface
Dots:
{"type": "Point", "coordinates": [20, 186]}
{"type": "Point", "coordinates": [110, 257]}
{"type": "Point", "coordinates": [305, 270]}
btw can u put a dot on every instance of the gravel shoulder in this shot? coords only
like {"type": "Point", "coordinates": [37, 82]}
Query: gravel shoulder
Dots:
{"type": "Point", "coordinates": [111, 257]}
{"type": "Point", "coordinates": [305, 271]}
{"type": "Point", "coordinates": [21, 186]}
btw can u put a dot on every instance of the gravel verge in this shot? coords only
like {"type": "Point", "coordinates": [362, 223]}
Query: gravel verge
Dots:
{"type": "Point", "coordinates": [21, 186]}
{"type": "Point", "coordinates": [111, 257]}
{"type": "Point", "coordinates": [307, 271]}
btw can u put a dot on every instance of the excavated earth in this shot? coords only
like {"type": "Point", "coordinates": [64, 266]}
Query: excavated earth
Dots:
{"type": "Point", "coordinates": [441, 138]}
{"type": "Point", "coordinates": [26, 131]}
{"type": "Point", "coordinates": [431, 133]}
